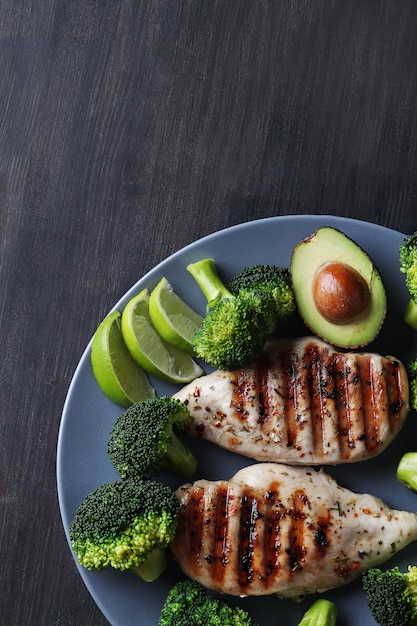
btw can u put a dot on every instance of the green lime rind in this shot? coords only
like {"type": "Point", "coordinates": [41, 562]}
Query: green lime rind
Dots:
{"type": "Point", "coordinates": [118, 375]}
{"type": "Point", "coordinates": [150, 350]}
{"type": "Point", "coordinates": [174, 319]}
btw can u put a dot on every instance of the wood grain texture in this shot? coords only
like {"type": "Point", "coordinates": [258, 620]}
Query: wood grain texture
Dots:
{"type": "Point", "coordinates": [130, 128]}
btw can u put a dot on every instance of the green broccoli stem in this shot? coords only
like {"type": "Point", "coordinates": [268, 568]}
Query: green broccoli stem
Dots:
{"type": "Point", "coordinates": [205, 274]}
{"type": "Point", "coordinates": [410, 314]}
{"type": "Point", "coordinates": [178, 458]}
{"type": "Point", "coordinates": [153, 567]}
{"type": "Point", "coordinates": [407, 470]}
{"type": "Point", "coordinates": [321, 613]}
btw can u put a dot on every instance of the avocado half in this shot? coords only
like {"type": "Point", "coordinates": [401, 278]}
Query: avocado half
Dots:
{"type": "Point", "coordinates": [338, 290]}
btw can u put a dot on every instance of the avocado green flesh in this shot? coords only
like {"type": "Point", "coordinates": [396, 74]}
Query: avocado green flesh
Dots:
{"type": "Point", "coordinates": [328, 244]}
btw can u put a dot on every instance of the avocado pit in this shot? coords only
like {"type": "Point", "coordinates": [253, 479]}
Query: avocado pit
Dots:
{"type": "Point", "coordinates": [340, 293]}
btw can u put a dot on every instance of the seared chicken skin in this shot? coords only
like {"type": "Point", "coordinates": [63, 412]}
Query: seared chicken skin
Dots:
{"type": "Point", "coordinates": [302, 402]}
{"type": "Point", "coordinates": [281, 529]}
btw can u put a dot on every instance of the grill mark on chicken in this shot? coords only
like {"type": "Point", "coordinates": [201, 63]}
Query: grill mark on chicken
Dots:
{"type": "Point", "coordinates": [217, 557]}
{"type": "Point", "coordinates": [194, 524]}
{"type": "Point", "coordinates": [396, 393]}
{"type": "Point", "coordinates": [289, 398]}
{"type": "Point", "coordinates": [345, 381]}
{"type": "Point", "coordinates": [223, 531]}
{"type": "Point", "coordinates": [272, 534]}
{"type": "Point", "coordinates": [321, 538]}
{"type": "Point", "coordinates": [370, 391]}
{"type": "Point", "coordinates": [303, 402]}
{"type": "Point", "coordinates": [262, 377]}
{"type": "Point", "coordinates": [247, 539]}
{"type": "Point", "coordinates": [296, 549]}
{"type": "Point", "coordinates": [320, 380]}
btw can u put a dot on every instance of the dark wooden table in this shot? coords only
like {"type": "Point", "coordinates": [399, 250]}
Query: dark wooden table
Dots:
{"type": "Point", "coordinates": [128, 129]}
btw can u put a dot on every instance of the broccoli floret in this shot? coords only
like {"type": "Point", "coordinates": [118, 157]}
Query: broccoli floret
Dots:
{"type": "Point", "coordinates": [408, 266]}
{"type": "Point", "coordinates": [188, 603]}
{"type": "Point", "coordinates": [272, 279]}
{"type": "Point", "coordinates": [321, 613]}
{"type": "Point", "coordinates": [407, 470]}
{"type": "Point", "coordinates": [143, 439]}
{"type": "Point", "coordinates": [126, 524]}
{"type": "Point", "coordinates": [185, 596]}
{"type": "Point", "coordinates": [234, 333]}
{"type": "Point", "coordinates": [392, 595]}
{"type": "Point", "coordinates": [235, 328]}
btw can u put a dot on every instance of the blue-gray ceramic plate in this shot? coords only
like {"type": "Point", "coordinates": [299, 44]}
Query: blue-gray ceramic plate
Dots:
{"type": "Point", "coordinates": [88, 416]}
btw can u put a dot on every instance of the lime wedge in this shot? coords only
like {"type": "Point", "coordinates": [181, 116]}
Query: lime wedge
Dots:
{"type": "Point", "coordinates": [147, 347]}
{"type": "Point", "coordinates": [117, 373]}
{"type": "Point", "coordinates": [174, 320]}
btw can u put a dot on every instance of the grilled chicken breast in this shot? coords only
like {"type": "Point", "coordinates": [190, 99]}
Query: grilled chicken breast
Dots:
{"type": "Point", "coordinates": [303, 402]}
{"type": "Point", "coordinates": [282, 529]}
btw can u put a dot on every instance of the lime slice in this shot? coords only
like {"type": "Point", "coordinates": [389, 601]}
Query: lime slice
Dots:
{"type": "Point", "coordinates": [147, 347]}
{"type": "Point", "coordinates": [174, 320]}
{"type": "Point", "coordinates": [117, 373]}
